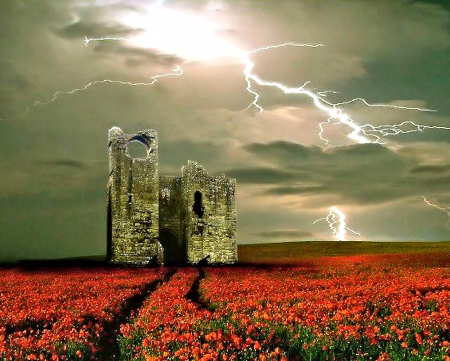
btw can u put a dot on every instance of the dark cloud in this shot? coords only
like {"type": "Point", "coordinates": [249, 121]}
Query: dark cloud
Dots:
{"type": "Point", "coordinates": [284, 151]}
{"type": "Point", "coordinates": [81, 29]}
{"type": "Point", "coordinates": [439, 3]}
{"type": "Point", "coordinates": [174, 154]}
{"type": "Point", "coordinates": [13, 83]}
{"type": "Point", "coordinates": [359, 174]}
{"type": "Point", "coordinates": [54, 156]}
{"type": "Point", "coordinates": [137, 56]}
{"type": "Point", "coordinates": [11, 80]}
{"type": "Point", "coordinates": [409, 76]}
{"type": "Point", "coordinates": [70, 163]}
{"type": "Point", "coordinates": [296, 190]}
{"type": "Point", "coordinates": [339, 162]}
{"type": "Point", "coordinates": [434, 183]}
{"type": "Point", "coordinates": [263, 175]}
{"type": "Point", "coordinates": [430, 169]}
{"type": "Point", "coordinates": [285, 233]}
{"type": "Point", "coordinates": [56, 180]}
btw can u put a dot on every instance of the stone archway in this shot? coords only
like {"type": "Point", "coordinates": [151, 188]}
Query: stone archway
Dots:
{"type": "Point", "coordinates": [174, 253]}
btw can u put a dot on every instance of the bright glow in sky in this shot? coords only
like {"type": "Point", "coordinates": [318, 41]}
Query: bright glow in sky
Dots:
{"type": "Point", "coordinates": [180, 33]}
{"type": "Point", "coordinates": [292, 162]}
{"type": "Point", "coordinates": [195, 39]}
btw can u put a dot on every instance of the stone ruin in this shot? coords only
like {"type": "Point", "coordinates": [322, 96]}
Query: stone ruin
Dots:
{"type": "Point", "coordinates": [158, 219]}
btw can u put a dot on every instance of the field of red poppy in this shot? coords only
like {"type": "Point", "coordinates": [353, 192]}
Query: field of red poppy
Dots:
{"type": "Point", "coordinates": [65, 314]}
{"type": "Point", "coordinates": [352, 307]}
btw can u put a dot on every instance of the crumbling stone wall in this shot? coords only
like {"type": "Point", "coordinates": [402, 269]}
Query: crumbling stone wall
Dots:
{"type": "Point", "coordinates": [210, 222]}
{"type": "Point", "coordinates": [133, 200]}
{"type": "Point", "coordinates": [171, 215]}
{"type": "Point", "coordinates": [162, 219]}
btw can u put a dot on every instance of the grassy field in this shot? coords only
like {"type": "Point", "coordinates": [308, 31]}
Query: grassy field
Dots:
{"type": "Point", "coordinates": [283, 252]}
{"type": "Point", "coordinates": [275, 253]}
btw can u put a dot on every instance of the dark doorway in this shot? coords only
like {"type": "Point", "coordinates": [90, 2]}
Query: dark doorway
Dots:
{"type": "Point", "coordinates": [173, 252]}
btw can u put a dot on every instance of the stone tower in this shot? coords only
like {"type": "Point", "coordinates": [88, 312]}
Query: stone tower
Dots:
{"type": "Point", "coordinates": [155, 219]}
{"type": "Point", "coordinates": [133, 196]}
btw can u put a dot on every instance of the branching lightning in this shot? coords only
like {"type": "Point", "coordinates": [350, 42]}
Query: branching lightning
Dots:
{"type": "Point", "coordinates": [446, 210]}
{"type": "Point", "coordinates": [405, 127]}
{"type": "Point", "coordinates": [337, 222]}
{"type": "Point", "coordinates": [194, 38]}
{"type": "Point", "coordinates": [361, 133]}
{"type": "Point", "coordinates": [383, 105]}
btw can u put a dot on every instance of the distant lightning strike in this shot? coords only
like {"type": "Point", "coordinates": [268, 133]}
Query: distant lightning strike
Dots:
{"type": "Point", "coordinates": [445, 210]}
{"type": "Point", "coordinates": [337, 222]}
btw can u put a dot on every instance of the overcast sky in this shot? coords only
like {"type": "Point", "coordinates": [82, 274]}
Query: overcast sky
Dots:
{"type": "Point", "coordinates": [53, 138]}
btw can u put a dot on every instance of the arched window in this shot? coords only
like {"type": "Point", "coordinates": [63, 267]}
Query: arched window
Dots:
{"type": "Point", "coordinates": [197, 207]}
{"type": "Point", "coordinates": [137, 149]}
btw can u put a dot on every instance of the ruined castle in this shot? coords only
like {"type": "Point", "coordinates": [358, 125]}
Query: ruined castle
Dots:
{"type": "Point", "coordinates": [157, 219]}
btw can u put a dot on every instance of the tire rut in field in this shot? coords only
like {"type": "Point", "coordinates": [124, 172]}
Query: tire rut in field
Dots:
{"type": "Point", "coordinates": [109, 342]}
{"type": "Point", "coordinates": [194, 294]}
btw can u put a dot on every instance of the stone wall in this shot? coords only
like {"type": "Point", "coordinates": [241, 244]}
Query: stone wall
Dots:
{"type": "Point", "coordinates": [171, 215]}
{"type": "Point", "coordinates": [211, 223]}
{"type": "Point", "coordinates": [133, 200]}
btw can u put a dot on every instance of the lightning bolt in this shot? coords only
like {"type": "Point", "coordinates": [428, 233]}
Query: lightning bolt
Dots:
{"type": "Point", "coordinates": [177, 71]}
{"type": "Point", "coordinates": [337, 222]}
{"type": "Point", "coordinates": [335, 112]}
{"type": "Point", "coordinates": [387, 130]}
{"type": "Point", "coordinates": [445, 210]}
{"type": "Point", "coordinates": [88, 40]}
{"type": "Point", "coordinates": [366, 133]}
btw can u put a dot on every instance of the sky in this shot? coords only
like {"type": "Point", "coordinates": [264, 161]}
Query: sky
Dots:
{"type": "Point", "coordinates": [70, 70]}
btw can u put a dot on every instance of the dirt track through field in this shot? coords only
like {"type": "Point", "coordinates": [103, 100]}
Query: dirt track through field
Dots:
{"type": "Point", "coordinates": [109, 342]}
{"type": "Point", "coordinates": [193, 295]}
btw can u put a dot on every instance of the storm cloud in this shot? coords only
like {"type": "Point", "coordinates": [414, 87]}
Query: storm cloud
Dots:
{"type": "Point", "coordinates": [285, 233]}
{"type": "Point", "coordinates": [53, 127]}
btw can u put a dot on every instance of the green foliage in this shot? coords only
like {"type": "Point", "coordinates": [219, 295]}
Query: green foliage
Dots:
{"type": "Point", "coordinates": [127, 345]}
{"type": "Point", "coordinates": [72, 350]}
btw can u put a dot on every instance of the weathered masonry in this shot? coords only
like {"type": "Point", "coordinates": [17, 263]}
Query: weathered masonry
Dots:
{"type": "Point", "coordinates": [157, 219]}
